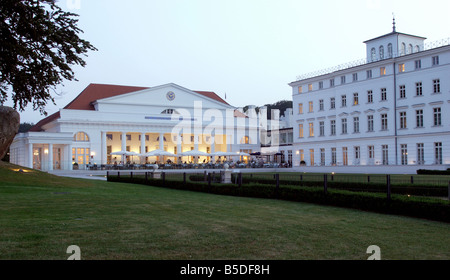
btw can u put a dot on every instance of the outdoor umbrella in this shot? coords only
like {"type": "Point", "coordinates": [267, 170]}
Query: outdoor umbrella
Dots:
{"type": "Point", "coordinates": [121, 153]}
{"type": "Point", "coordinates": [159, 153]}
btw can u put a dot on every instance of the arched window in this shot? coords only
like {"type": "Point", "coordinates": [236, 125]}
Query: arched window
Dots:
{"type": "Point", "coordinates": [373, 54]}
{"type": "Point", "coordinates": [245, 140]}
{"type": "Point", "coordinates": [417, 48]}
{"type": "Point", "coordinates": [381, 52]}
{"type": "Point", "coordinates": [410, 48]}
{"type": "Point", "coordinates": [81, 137]}
{"type": "Point", "coordinates": [390, 50]}
{"type": "Point", "coordinates": [403, 49]}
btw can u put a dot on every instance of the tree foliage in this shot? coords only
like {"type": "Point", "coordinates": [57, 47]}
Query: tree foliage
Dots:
{"type": "Point", "coordinates": [39, 44]}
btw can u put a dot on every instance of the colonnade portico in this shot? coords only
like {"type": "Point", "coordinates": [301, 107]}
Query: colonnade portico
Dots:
{"type": "Point", "coordinates": [143, 142]}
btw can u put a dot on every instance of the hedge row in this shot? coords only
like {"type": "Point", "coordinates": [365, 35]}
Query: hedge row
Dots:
{"type": "Point", "coordinates": [416, 189]}
{"type": "Point", "coordinates": [433, 172]}
{"type": "Point", "coordinates": [398, 205]}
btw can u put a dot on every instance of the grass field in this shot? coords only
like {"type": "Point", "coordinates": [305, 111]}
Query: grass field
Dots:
{"type": "Point", "coordinates": [41, 215]}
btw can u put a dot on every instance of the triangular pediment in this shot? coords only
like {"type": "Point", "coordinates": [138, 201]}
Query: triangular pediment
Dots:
{"type": "Point", "coordinates": [157, 99]}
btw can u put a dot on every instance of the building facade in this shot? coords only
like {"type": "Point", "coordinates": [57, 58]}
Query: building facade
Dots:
{"type": "Point", "coordinates": [388, 109]}
{"type": "Point", "coordinates": [105, 120]}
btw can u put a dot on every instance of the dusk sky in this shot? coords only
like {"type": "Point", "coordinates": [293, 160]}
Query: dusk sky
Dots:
{"type": "Point", "coordinates": [248, 49]}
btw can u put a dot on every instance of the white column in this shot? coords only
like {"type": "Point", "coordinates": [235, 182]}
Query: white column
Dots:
{"type": "Point", "coordinates": [143, 143]}
{"type": "Point", "coordinates": [161, 146]}
{"type": "Point", "coordinates": [50, 157]}
{"type": "Point", "coordinates": [213, 147]}
{"type": "Point", "coordinates": [103, 155]}
{"type": "Point", "coordinates": [124, 141]}
{"type": "Point", "coordinates": [69, 157]}
{"type": "Point", "coordinates": [179, 151]}
{"type": "Point", "coordinates": [161, 141]}
{"type": "Point", "coordinates": [30, 156]}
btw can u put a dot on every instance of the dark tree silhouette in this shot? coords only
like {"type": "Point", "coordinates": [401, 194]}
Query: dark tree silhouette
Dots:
{"type": "Point", "coordinates": [39, 44]}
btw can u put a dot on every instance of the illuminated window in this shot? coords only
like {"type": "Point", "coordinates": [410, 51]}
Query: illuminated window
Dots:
{"type": "Point", "coordinates": [300, 89]}
{"type": "Point", "coordinates": [311, 108]}
{"type": "Point", "coordinates": [401, 68]}
{"type": "Point", "coordinates": [300, 108]}
{"type": "Point", "coordinates": [81, 137]}
{"type": "Point", "coordinates": [300, 130]}
{"type": "Point", "coordinates": [310, 87]}
{"type": "Point", "coordinates": [245, 140]}
{"type": "Point", "coordinates": [311, 129]}
{"type": "Point", "coordinates": [382, 71]}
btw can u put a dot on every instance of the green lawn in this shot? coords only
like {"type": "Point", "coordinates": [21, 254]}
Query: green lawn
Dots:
{"type": "Point", "coordinates": [41, 215]}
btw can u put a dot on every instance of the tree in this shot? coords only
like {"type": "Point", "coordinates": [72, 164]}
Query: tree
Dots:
{"type": "Point", "coordinates": [39, 43]}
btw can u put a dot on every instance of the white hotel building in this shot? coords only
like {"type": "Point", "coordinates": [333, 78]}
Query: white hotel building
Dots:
{"type": "Point", "coordinates": [104, 119]}
{"type": "Point", "coordinates": [389, 109]}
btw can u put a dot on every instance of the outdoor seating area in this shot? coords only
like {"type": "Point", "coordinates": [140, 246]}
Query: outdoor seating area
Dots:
{"type": "Point", "coordinates": [147, 166]}
{"type": "Point", "coordinates": [216, 160]}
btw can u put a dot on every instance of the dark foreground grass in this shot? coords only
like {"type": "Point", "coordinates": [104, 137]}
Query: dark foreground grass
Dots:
{"type": "Point", "coordinates": [41, 215]}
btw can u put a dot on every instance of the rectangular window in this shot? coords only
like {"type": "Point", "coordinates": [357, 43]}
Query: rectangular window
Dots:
{"type": "Point", "coordinates": [385, 154]}
{"type": "Point", "coordinates": [355, 98]}
{"type": "Point", "coordinates": [344, 155]}
{"type": "Point", "coordinates": [435, 60]}
{"type": "Point", "coordinates": [419, 89]}
{"type": "Point", "coordinates": [311, 156]}
{"type": "Point", "coordinates": [322, 156]}
{"type": "Point", "coordinates": [371, 152]}
{"type": "Point", "coordinates": [384, 122]}
{"type": "Point", "coordinates": [300, 89]}
{"type": "Point", "coordinates": [310, 87]}
{"type": "Point", "coordinates": [420, 153]}
{"type": "Point", "coordinates": [355, 77]}
{"type": "Point", "coordinates": [404, 151]}
{"type": "Point", "coordinates": [437, 116]}
{"type": "Point", "coordinates": [344, 126]}
{"type": "Point", "coordinates": [333, 127]}
{"type": "Point", "coordinates": [382, 71]}
{"type": "Point", "coordinates": [320, 85]}
{"type": "Point", "coordinates": [321, 105]}
{"type": "Point", "coordinates": [419, 118]}
{"type": "Point", "coordinates": [302, 155]}
{"type": "Point", "coordinates": [438, 153]}
{"type": "Point", "coordinates": [403, 120]}
{"type": "Point", "coordinates": [357, 153]}
{"type": "Point", "coordinates": [383, 94]}
{"type": "Point", "coordinates": [436, 86]}
{"type": "Point", "coordinates": [300, 108]}
{"type": "Point", "coordinates": [311, 129]}
{"type": "Point", "coordinates": [401, 68]}
{"type": "Point", "coordinates": [331, 82]}
{"type": "Point", "coordinates": [342, 80]}
{"type": "Point", "coordinates": [344, 101]}
{"type": "Point", "coordinates": [109, 136]}
{"type": "Point", "coordinates": [333, 156]}
{"type": "Point", "coordinates": [332, 103]}
{"type": "Point", "coordinates": [355, 124]}
{"type": "Point", "coordinates": [369, 96]}
{"type": "Point", "coordinates": [418, 64]}
{"type": "Point", "coordinates": [370, 123]}
{"type": "Point", "coordinates": [322, 128]}
{"type": "Point", "coordinates": [300, 130]}
{"type": "Point", "coordinates": [310, 107]}
{"type": "Point", "coordinates": [369, 74]}
{"type": "Point", "coordinates": [402, 91]}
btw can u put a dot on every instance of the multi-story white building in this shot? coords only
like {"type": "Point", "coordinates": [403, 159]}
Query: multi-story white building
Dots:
{"type": "Point", "coordinates": [388, 109]}
{"type": "Point", "coordinates": [105, 120]}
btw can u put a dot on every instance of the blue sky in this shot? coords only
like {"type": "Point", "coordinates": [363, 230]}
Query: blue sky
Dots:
{"type": "Point", "coordinates": [248, 49]}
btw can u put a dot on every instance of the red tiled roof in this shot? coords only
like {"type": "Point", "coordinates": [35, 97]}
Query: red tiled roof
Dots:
{"type": "Point", "coordinates": [93, 92]}
{"type": "Point", "coordinates": [98, 91]}
{"type": "Point", "coordinates": [38, 127]}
